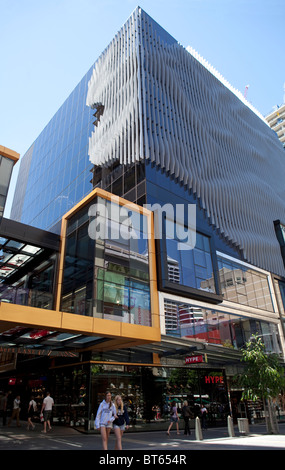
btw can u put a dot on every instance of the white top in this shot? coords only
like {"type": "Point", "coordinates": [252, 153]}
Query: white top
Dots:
{"type": "Point", "coordinates": [105, 414]}
{"type": "Point", "coordinates": [33, 404]}
{"type": "Point", "coordinates": [48, 402]}
{"type": "Point", "coordinates": [16, 403]}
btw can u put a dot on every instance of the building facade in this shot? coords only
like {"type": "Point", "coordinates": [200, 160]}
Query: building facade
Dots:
{"type": "Point", "coordinates": [155, 201]}
{"type": "Point", "coordinates": [276, 120]}
{"type": "Point", "coordinates": [8, 158]}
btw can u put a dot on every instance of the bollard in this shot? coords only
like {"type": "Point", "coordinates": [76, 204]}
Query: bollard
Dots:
{"type": "Point", "coordinates": [243, 426]}
{"type": "Point", "coordinates": [231, 427]}
{"type": "Point", "coordinates": [91, 422]}
{"type": "Point", "coordinates": [198, 430]}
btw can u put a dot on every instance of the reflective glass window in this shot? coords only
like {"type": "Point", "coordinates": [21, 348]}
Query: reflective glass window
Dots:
{"type": "Point", "coordinates": [217, 327]}
{"type": "Point", "coordinates": [280, 294]}
{"type": "Point", "coordinates": [244, 285]}
{"type": "Point", "coordinates": [106, 264]}
{"type": "Point", "coordinates": [192, 267]}
{"type": "Point", "coordinates": [6, 167]}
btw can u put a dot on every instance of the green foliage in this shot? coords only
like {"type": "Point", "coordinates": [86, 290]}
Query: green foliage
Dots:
{"type": "Point", "coordinates": [182, 377]}
{"type": "Point", "coordinates": [263, 377]}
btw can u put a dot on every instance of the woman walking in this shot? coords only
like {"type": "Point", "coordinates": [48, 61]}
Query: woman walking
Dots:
{"type": "Point", "coordinates": [32, 408]}
{"type": "Point", "coordinates": [186, 413]}
{"type": "Point", "coordinates": [121, 422]}
{"type": "Point", "coordinates": [104, 419]}
{"type": "Point", "coordinates": [174, 418]}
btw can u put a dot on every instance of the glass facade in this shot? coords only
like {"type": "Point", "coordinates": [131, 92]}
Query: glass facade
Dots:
{"type": "Point", "coordinates": [106, 271]}
{"type": "Point", "coordinates": [146, 391]}
{"type": "Point", "coordinates": [244, 285]}
{"type": "Point", "coordinates": [217, 327]}
{"type": "Point", "coordinates": [13, 255]}
{"type": "Point", "coordinates": [35, 289]}
{"type": "Point", "coordinates": [27, 270]}
{"type": "Point", "coordinates": [280, 294]}
{"type": "Point", "coordinates": [55, 173]}
{"type": "Point", "coordinates": [122, 180]}
{"type": "Point", "coordinates": [193, 267]}
{"type": "Point", "coordinates": [106, 267]}
{"type": "Point", "coordinates": [6, 168]}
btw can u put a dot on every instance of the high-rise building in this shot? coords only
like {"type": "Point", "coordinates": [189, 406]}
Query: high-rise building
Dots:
{"type": "Point", "coordinates": [155, 201]}
{"type": "Point", "coordinates": [8, 158]}
{"type": "Point", "coordinates": [276, 120]}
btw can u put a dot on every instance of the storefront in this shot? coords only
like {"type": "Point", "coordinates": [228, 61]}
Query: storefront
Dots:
{"type": "Point", "coordinates": [147, 391]}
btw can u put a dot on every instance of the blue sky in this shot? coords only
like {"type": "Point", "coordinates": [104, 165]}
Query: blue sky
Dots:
{"type": "Point", "coordinates": [47, 46]}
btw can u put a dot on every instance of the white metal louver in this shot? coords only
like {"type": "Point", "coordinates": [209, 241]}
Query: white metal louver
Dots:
{"type": "Point", "coordinates": [161, 103]}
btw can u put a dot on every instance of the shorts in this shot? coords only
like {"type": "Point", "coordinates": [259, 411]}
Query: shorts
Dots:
{"type": "Point", "coordinates": [47, 415]}
{"type": "Point", "coordinates": [174, 419]}
{"type": "Point", "coordinates": [122, 427]}
{"type": "Point", "coordinates": [108, 426]}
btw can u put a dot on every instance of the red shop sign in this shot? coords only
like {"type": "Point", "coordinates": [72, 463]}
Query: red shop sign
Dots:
{"type": "Point", "coordinates": [193, 359]}
{"type": "Point", "coordinates": [214, 379]}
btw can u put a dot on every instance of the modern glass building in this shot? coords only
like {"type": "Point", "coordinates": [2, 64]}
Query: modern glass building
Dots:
{"type": "Point", "coordinates": [8, 158]}
{"type": "Point", "coordinates": [155, 198]}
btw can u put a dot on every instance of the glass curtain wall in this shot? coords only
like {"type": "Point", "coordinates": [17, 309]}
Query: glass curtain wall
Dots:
{"type": "Point", "coordinates": [217, 327]}
{"type": "Point", "coordinates": [106, 272]}
{"type": "Point", "coordinates": [55, 171]}
{"type": "Point", "coordinates": [280, 295]}
{"type": "Point", "coordinates": [192, 267]}
{"type": "Point", "coordinates": [6, 168]}
{"type": "Point", "coordinates": [244, 285]}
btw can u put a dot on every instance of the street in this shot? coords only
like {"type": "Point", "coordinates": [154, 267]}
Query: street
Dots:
{"type": "Point", "coordinates": [63, 438]}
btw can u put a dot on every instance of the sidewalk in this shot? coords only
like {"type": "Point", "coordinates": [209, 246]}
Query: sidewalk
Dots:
{"type": "Point", "coordinates": [67, 438]}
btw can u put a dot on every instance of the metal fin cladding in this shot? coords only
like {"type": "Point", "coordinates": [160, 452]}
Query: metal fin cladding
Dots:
{"type": "Point", "coordinates": [162, 104]}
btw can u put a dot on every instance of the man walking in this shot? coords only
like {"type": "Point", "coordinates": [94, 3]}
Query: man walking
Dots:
{"type": "Point", "coordinates": [16, 411]}
{"type": "Point", "coordinates": [47, 410]}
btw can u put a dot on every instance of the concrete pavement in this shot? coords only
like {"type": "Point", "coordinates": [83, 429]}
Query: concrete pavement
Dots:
{"type": "Point", "coordinates": [66, 438]}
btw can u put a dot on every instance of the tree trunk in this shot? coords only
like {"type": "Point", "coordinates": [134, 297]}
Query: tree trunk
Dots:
{"type": "Point", "coordinates": [270, 417]}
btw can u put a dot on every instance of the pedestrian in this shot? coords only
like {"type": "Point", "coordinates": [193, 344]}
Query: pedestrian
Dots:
{"type": "Point", "coordinates": [105, 416]}
{"type": "Point", "coordinates": [32, 409]}
{"type": "Point", "coordinates": [47, 411]}
{"type": "Point", "coordinates": [15, 411]}
{"type": "Point", "coordinates": [4, 406]}
{"type": "Point", "coordinates": [204, 412]}
{"type": "Point", "coordinates": [121, 422]}
{"type": "Point", "coordinates": [186, 413]}
{"type": "Point", "coordinates": [174, 418]}
{"type": "Point", "coordinates": [2, 396]}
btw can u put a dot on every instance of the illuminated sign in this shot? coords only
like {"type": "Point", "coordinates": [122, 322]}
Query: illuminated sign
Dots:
{"type": "Point", "coordinates": [214, 379]}
{"type": "Point", "coordinates": [193, 359]}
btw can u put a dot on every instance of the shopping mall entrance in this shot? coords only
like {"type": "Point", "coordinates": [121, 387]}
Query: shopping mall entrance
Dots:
{"type": "Point", "coordinates": [147, 391]}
